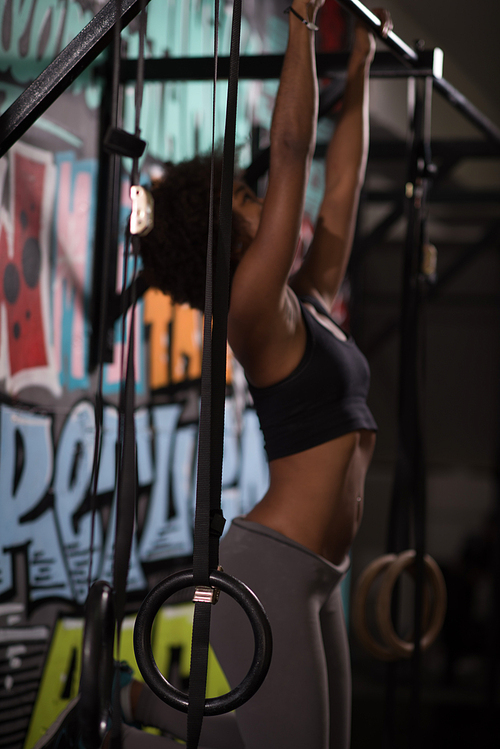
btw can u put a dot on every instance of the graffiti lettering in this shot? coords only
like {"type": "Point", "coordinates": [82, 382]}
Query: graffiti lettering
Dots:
{"type": "Point", "coordinates": [166, 530]}
{"type": "Point", "coordinates": [71, 483]}
{"type": "Point", "coordinates": [44, 502]}
{"type": "Point", "coordinates": [28, 522]}
{"type": "Point", "coordinates": [24, 272]}
{"type": "Point", "coordinates": [175, 341]}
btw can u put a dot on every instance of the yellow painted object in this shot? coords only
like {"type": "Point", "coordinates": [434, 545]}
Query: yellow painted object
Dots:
{"type": "Point", "coordinates": [61, 677]}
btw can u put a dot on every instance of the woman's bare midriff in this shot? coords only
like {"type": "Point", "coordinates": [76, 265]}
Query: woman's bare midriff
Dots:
{"type": "Point", "coordinates": [316, 496]}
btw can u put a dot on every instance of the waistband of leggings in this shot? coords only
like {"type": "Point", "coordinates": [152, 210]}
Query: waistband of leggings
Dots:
{"type": "Point", "coordinates": [263, 530]}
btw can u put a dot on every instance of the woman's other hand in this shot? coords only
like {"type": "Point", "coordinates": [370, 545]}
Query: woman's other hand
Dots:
{"type": "Point", "coordinates": [364, 39]}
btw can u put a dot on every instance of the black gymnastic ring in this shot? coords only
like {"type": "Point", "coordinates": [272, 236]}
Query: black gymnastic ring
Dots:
{"type": "Point", "coordinates": [97, 664]}
{"type": "Point", "coordinates": [260, 626]}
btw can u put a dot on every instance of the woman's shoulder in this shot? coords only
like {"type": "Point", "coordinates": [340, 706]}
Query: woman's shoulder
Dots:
{"type": "Point", "coordinates": [271, 348]}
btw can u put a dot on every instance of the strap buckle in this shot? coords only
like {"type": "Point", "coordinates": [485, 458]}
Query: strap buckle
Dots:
{"type": "Point", "coordinates": [207, 593]}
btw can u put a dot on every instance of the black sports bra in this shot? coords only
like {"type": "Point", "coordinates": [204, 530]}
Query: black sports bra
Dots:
{"type": "Point", "coordinates": [323, 398]}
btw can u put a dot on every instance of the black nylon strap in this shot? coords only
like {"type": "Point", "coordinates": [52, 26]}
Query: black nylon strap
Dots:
{"type": "Point", "coordinates": [408, 507]}
{"type": "Point", "coordinates": [104, 302]}
{"type": "Point", "coordinates": [126, 482]}
{"type": "Point", "coordinates": [127, 478]}
{"type": "Point", "coordinates": [120, 556]}
{"type": "Point", "coordinates": [126, 449]}
{"type": "Point", "coordinates": [201, 557]}
{"type": "Point", "coordinates": [208, 520]}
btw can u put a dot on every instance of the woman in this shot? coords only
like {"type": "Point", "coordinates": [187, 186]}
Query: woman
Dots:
{"type": "Point", "coordinates": [309, 383]}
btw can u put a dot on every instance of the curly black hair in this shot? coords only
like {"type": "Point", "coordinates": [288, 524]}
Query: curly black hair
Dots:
{"type": "Point", "coordinates": [174, 252]}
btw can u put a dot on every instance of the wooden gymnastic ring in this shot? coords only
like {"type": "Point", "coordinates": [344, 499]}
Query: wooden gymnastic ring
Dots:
{"type": "Point", "coordinates": [383, 605]}
{"type": "Point", "coordinates": [358, 611]}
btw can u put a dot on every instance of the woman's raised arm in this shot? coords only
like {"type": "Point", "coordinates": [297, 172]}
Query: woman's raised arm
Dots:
{"type": "Point", "coordinates": [258, 311]}
{"type": "Point", "coordinates": [324, 267]}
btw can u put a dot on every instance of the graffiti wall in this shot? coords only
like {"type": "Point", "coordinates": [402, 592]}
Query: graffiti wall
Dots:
{"type": "Point", "coordinates": [51, 543]}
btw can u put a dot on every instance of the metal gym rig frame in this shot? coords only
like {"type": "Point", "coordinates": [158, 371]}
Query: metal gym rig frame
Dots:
{"type": "Point", "coordinates": [408, 510]}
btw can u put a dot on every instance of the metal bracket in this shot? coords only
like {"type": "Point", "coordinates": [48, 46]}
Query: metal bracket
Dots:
{"type": "Point", "coordinates": [141, 218]}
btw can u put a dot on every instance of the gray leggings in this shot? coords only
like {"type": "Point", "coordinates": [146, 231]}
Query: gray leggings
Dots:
{"type": "Point", "coordinates": [305, 701]}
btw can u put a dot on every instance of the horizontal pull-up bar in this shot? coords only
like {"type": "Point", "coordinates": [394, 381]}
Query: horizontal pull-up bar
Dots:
{"type": "Point", "coordinates": [409, 56]}
{"type": "Point", "coordinates": [405, 53]}
{"type": "Point", "coordinates": [55, 79]}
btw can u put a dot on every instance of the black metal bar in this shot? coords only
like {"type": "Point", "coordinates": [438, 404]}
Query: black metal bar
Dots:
{"type": "Point", "coordinates": [106, 237]}
{"type": "Point", "coordinates": [441, 149]}
{"type": "Point", "coordinates": [408, 507]}
{"type": "Point", "coordinates": [463, 105]}
{"type": "Point", "coordinates": [268, 67]}
{"type": "Point", "coordinates": [55, 79]}
{"type": "Point", "coordinates": [493, 676]}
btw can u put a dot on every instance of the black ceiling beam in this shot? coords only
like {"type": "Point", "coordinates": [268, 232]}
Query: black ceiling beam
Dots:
{"type": "Point", "coordinates": [442, 149]}
{"type": "Point", "coordinates": [442, 195]}
{"type": "Point", "coordinates": [69, 63]}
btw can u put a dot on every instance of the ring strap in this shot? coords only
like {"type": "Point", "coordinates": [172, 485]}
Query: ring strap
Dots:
{"type": "Point", "coordinates": [209, 522]}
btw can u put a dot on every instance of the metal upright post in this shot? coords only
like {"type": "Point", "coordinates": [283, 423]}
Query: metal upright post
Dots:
{"type": "Point", "coordinates": [108, 216]}
{"type": "Point", "coordinates": [421, 159]}
{"type": "Point", "coordinates": [407, 517]}
{"type": "Point", "coordinates": [106, 241]}
{"type": "Point", "coordinates": [492, 684]}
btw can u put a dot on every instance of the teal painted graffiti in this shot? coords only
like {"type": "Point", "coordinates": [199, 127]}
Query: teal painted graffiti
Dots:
{"type": "Point", "coordinates": [35, 31]}
{"type": "Point", "coordinates": [28, 522]}
{"type": "Point", "coordinates": [75, 199]}
{"type": "Point", "coordinates": [176, 117]}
